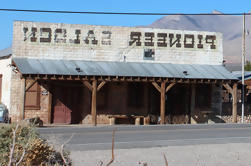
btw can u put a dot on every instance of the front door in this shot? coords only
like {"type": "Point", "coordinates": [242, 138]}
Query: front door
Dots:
{"type": "Point", "coordinates": [62, 106]}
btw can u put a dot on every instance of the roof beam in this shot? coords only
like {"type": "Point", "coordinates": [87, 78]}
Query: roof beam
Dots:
{"type": "Point", "coordinates": [228, 88]}
{"type": "Point", "coordinates": [88, 85]}
{"type": "Point", "coordinates": [125, 78]}
{"type": "Point", "coordinates": [156, 86]}
{"type": "Point", "coordinates": [30, 84]}
{"type": "Point", "coordinates": [169, 87]}
{"type": "Point", "coordinates": [101, 85]}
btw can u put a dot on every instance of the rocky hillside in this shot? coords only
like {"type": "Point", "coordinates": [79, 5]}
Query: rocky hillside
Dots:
{"type": "Point", "coordinates": [229, 26]}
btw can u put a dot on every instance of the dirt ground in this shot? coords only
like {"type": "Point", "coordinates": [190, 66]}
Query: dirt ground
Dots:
{"type": "Point", "coordinates": [234, 154]}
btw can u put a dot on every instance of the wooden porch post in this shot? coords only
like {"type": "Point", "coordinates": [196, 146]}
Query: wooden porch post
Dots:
{"type": "Point", "coordinates": [162, 102]}
{"type": "Point", "coordinates": [94, 89]}
{"type": "Point", "coordinates": [94, 101]}
{"type": "Point", "coordinates": [192, 104]}
{"type": "Point", "coordinates": [49, 104]}
{"type": "Point", "coordinates": [234, 95]}
{"type": "Point", "coordinates": [233, 92]}
{"type": "Point", "coordinates": [163, 90]}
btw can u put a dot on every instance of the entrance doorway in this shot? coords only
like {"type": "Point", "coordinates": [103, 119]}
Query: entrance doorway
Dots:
{"type": "Point", "coordinates": [65, 103]}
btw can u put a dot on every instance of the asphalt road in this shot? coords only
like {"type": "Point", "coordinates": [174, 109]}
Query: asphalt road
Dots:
{"type": "Point", "coordinates": [99, 138]}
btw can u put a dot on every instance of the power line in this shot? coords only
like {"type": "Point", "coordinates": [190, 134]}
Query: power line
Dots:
{"type": "Point", "coordinates": [115, 13]}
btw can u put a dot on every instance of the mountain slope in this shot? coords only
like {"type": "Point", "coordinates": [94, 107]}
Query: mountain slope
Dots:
{"type": "Point", "coordinates": [229, 26]}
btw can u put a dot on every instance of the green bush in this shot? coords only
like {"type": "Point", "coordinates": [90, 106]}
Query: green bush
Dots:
{"type": "Point", "coordinates": [37, 150]}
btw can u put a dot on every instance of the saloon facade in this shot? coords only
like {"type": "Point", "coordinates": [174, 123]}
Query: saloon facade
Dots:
{"type": "Point", "coordinates": [88, 74]}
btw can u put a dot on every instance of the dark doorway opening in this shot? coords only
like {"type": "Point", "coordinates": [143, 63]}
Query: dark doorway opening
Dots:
{"type": "Point", "coordinates": [177, 104]}
{"type": "Point", "coordinates": [66, 102]}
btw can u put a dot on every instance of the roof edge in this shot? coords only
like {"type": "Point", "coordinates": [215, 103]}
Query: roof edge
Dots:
{"type": "Point", "coordinates": [6, 53]}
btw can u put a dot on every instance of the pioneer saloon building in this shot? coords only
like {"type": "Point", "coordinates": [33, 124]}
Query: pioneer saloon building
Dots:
{"type": "Point", "coordinates": [105, 74]}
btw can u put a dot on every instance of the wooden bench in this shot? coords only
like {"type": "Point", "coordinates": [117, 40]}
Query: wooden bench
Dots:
{"type": "Point", "coordinates": [146, 119]}
{"type": "Point", "coordinates": [112, 118]}
{"type": "Point", "coordinates": [137, 118]}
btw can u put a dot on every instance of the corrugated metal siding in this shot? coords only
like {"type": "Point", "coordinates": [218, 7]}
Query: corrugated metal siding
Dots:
{"type": "Point", "coordinates": [98, 68]}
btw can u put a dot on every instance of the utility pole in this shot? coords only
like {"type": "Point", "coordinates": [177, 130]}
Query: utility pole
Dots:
{"type": "Point", "coordinates": [243, 64]}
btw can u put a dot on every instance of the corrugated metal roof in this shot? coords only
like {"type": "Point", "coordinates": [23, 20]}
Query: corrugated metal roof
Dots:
{"type": "Point", "coordinates": [238, 74]}
{"type": "Point", "coordinates": [135, 69]}
{"type": "Point", "coordinates": [5, 52]}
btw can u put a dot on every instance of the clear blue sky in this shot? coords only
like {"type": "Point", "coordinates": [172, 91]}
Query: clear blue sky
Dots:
{"type": "Point", "coordinates": [165, 6]}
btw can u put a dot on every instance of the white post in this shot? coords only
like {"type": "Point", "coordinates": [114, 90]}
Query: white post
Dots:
{"type": "Point", "coordinates": [243, 72]}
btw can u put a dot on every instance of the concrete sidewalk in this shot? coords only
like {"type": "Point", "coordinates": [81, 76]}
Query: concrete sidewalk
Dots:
{"type": "Point", "coordinates": [233, 154]}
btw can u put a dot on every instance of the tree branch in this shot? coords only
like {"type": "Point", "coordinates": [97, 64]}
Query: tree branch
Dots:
{"type": "Point", "coordinates": [62, 150]}
{"type": "Point", "coordinates": [13, 145]}
{"type": "Point", "coordinates": [20, 160]}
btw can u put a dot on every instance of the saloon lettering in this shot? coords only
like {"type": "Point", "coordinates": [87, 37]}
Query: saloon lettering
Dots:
{"type": "Point", "coordinates": [44, 35]}
{"type": "Point", "coordinates": [147, 39]}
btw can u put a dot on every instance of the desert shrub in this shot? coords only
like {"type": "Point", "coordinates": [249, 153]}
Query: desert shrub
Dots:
{"type": "Point", "coordinates": [37, 150]}
{"type": "Point", "coordinates": [5, 141]}
{"type": "Point", "coordinates": [37, 153]}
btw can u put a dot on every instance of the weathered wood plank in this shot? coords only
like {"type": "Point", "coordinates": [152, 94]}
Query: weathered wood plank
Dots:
{"type": "Point", "coordinates": [169, 86]}
{"type": "Point", "coordinates": [234, 95]}
{"type": "Point", "coordinates": [156, 86]}
{"type": "Point", "coordinates": [29, 84]}
{"type": "Point", "coordinates": [118, 116]}
{"type": "Point", "coordinates": [69, 77]}
{"type": "Point", "coordinates": [94, 103]}
{"type": "Point", "coordinates": [108, 78]}
{"type": "Point", "coordinates": [49, 106]}
{"type": "Point", "coordinates": [192, 104]}
{"type": "Point", "coordinates": [112, 121]}
{"type": "Point", "coordinates": [137, 121]}
{"type": "Point", "coordinates": [88, 85]}
{"type": "Point", "coordinates": [162, 103]}
{"type": "Point", "coordinates": [101, 85]}
{"type": "Point", "coordinates": [228, 87]}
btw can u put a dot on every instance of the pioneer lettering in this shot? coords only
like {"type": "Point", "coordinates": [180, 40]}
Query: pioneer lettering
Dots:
{"type": "Point", "coordinates": [189, 40]}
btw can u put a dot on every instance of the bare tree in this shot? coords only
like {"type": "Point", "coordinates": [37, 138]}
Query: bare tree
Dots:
{"type": "Point", "coordinates": [12, 148]}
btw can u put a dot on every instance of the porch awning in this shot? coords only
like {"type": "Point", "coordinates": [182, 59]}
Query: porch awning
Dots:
{"type": "Point", "coordinates": [238, 74]}
{"type": "Point", "coordinates": [29, 66]}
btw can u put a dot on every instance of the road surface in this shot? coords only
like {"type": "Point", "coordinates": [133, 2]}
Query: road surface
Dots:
{"type": "Point", "coordinates": [100, 138]}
